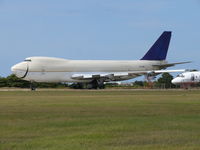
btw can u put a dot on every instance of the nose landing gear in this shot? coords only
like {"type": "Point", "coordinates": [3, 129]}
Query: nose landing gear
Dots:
{"type": "Point", "coordinates": [32, 86]}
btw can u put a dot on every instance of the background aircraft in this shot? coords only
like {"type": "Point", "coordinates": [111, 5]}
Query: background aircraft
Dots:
{"type": "Point", "coordinates": [187, 79]}
{"type": "Point", "coordinates": [93, 73]}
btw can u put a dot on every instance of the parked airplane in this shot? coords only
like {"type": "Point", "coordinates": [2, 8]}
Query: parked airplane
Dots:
{"type": "Point", "coordinates": [95, 72]}
{"type": "Point", "coordinates": [187, 79]}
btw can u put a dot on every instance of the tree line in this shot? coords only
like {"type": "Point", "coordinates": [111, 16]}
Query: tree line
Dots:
{"type": "Point", "coordinates": [12, 81]}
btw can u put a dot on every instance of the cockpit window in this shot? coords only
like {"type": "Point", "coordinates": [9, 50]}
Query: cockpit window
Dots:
{"type": "Point", "coordinates": [27, 60]}
{"type": "Point", "coordinates": [181, 75]}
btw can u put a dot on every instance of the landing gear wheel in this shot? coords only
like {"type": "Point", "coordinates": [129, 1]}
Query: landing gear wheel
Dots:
{"type": "Point", "coordinates": [32, 86]}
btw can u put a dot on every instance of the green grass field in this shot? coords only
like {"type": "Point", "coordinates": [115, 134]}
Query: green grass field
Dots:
{"type": "Point", "coordinates": [100, 120]}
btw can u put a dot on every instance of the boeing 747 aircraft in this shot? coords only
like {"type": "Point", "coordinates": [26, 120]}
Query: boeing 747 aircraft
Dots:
{"type": "Point", "coordinates": [94, 73]}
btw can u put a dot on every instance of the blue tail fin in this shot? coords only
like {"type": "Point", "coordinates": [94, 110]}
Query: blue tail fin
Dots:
{"type": "Point", "coordinates": [159, 49]}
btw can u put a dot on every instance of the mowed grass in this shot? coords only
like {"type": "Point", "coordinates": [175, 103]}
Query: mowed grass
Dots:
{"type": "Point", "coordinates": [100, 120]}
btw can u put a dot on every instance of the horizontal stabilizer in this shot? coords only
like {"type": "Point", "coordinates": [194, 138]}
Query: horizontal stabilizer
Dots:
{"type": "Point", "coordinates": [171, 64]}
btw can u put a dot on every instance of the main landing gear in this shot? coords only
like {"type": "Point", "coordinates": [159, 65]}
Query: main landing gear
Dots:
{"type": "Point", "coordinates": [32, 86]}
{"type": "Point", "coordinates": [95, 84]}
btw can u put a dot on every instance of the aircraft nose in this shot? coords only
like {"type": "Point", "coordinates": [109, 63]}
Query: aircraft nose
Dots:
{"type": "Point", "coordinates": [14, 68]}
{"type": "Point", "coordinates": [175, 81]}
{"type": "Point", "coordinates": [19, 69]}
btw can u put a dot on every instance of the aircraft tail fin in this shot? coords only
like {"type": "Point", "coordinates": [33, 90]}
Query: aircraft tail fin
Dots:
{"type": "Point", "coordinates": [160, 48]}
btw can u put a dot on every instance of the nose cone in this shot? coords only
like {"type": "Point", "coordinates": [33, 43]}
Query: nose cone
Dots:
{"type": "Point", "coordinates": [14, 68]}
{"type": "Point", "coordinates": [176, 81]}
{"type": "Point", "coordinates": [19, 69]}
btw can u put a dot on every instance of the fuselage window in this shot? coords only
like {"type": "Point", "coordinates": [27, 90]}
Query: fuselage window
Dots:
{"type": "Point", "coordinates": [27, 60]}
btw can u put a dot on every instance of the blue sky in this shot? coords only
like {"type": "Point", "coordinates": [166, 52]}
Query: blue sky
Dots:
{"type": "Point", "coordinates": [97, 29]}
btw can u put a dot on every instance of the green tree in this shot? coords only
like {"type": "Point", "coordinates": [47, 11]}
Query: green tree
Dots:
{"type": "Point", "coordinates": [13, 81]}
{"type": "Point", "coordinates": [165, 81]}
{"type": "Point", "coordinates": [139, 83]}
{"type": "Point", "coordinates": [3, 82]}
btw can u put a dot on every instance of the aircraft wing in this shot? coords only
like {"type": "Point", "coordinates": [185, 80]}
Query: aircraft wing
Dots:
{"type": "Point", "coordinates": [113, 76]}
{"type": "Point", "coordinates": [119, 76]}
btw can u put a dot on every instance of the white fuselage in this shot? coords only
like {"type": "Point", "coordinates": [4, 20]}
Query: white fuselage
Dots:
{"type": "Point", "coordinates": [48, 69]}
{"type": "Point", "coordinates": [187, 78]}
